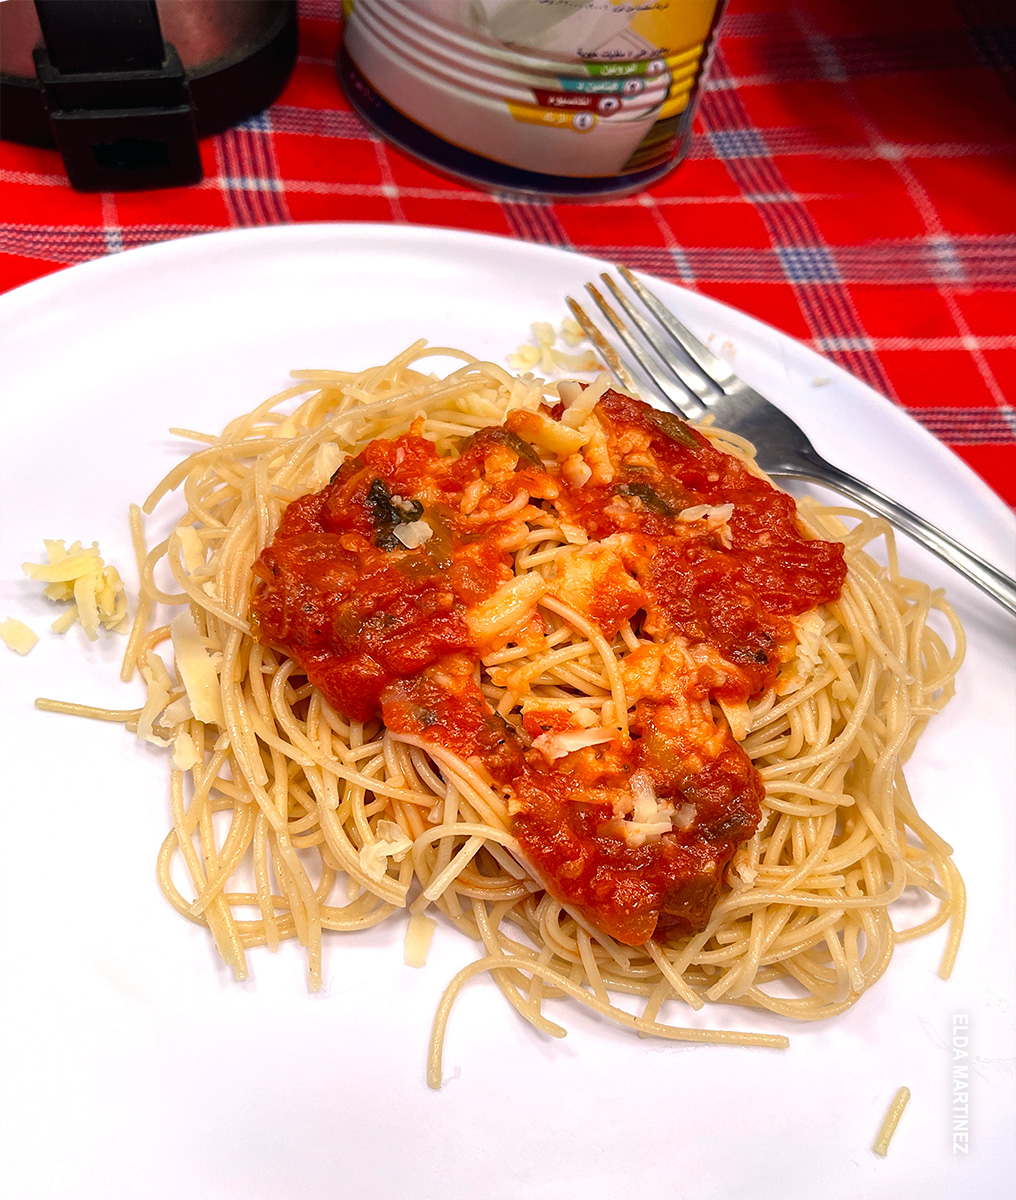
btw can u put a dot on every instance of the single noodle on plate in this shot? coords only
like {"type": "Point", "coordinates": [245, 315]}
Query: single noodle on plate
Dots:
{"type": "Point", "coordinates": [554, 663]}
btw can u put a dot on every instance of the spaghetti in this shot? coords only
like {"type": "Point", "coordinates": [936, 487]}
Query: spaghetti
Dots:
{"type": "Point", "coordinates": [297, 810]}
{"type": "Point", "coordinates": [892, 1119]}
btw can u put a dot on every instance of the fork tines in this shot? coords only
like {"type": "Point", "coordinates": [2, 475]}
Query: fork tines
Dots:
{"type": "Point", "coordinates": [684, 371]}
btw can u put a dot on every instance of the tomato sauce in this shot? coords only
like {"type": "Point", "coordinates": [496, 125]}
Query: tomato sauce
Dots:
{"type": "Point", "coordinates": [373, 586]}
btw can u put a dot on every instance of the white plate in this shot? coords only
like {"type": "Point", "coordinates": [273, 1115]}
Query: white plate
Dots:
{"type": "Point", "coordinates": [132, 1067]}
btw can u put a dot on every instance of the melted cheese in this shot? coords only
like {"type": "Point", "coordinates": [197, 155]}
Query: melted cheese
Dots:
{"type": "Point", "coordinates": [546, 434]}
{"type": "Point", "coordinates": [508, 609]}
{"type": "Point", "coordinates": [593, 579]}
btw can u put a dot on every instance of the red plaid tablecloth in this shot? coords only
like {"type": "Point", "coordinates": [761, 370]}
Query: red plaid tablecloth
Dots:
{"type": "Point", "coordinates": [851, 181]}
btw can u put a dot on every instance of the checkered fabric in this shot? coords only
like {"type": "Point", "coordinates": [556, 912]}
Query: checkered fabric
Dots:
{"type": "Point", "coordinates": [851, 181]}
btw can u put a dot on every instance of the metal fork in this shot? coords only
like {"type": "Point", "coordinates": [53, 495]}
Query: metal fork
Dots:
{"type": "Point", "coordinates": [693, 381]}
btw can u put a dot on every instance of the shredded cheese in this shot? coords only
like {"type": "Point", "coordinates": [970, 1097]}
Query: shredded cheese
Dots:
{"type": "Point", "coordinates": [578, 412]}
{"type": "Point", "coordinates": [327, 459]}
{"type": "Point", "coordinates": [156, 697]}
{"type": "Point", "coordinates": [177, 712]}
{"type": "Point", "coordinates": [191, 549]}
{"type": "Point", "coordinates": [584, 361]}
{"type": "Point", "coordinates": [569, 390]}
{"type": "Point", "coordinates": [547, 356]}
{"type": "Point", "coordinates": [65, 620]}
{"type": "Point", "coordinates": [576, 470]}
{"type": "Point", "coordinates": [572, 332]}
{"type": "Point", "coordinates": [186, 755]}
{"type": "Point", "coordinates": [808, 655]}
{"type": "Point", "coordinates": [524, 358]}
{"type": "Point", "coordinates": [413, 533]}
{"type": "Point", "coordinates": [716, 519]}
{"type": "Point", "coordinates": [650, 818]}
{"type": "Point", "coordinates": [391, 843]}
{"type": "Point", "coordinates": [574, 535]}
{"type": "Point", "coordinates": [644, 817]}
{"type": "Point", "coordinates": [738, 717]}
{"type": "Point", "coordinates": [556, 745]}
{"type": "Point", "coordinates": [197, 670]}
{"type": "Point", "coordinates": [684, 817]}
{"type": "Point", "coordinates": [17, 635]}
{"type": "Point", "coordinates": [80, 576]}
{"type": "Point", "coordinates": [419, 934]}
{"type": "Point", "coordinates": [745, 874]}
{"type": "Point", "coordinates": [543, 331]}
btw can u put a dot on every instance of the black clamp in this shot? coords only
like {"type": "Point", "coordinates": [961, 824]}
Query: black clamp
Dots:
{"type": "Point", "coordinates": [118, 99]}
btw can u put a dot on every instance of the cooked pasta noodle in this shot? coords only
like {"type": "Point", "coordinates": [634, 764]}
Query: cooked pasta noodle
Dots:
{"type": "Point", "coordinates": [290, 820]}
{"type": "Point", "coordinates": [892, 1119]}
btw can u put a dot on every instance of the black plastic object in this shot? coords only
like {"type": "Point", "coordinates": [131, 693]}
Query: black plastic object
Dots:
{"type": "Point", "coordinates": [113, 97]}
{"type": "Point", "coordinates": [81, 38]}
{"type": "Point", "coordinates": [117, 98]}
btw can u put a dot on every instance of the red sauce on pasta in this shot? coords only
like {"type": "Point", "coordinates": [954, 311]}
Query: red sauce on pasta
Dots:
{"type": "Point", "coordinates": [390, 584]}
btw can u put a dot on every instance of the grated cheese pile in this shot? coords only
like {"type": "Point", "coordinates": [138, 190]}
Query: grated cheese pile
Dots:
{"type": "Point", "coordinates": [79, 575]}
{"type": "Point", "coordinates": [545, 356]}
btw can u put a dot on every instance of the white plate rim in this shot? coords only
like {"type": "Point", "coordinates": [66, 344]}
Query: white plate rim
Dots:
{"type": "Point", "coordinates": [18, 303]}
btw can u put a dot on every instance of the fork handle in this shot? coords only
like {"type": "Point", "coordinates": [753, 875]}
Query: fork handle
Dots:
{"type": "Point", "coordinates": [980, 572]}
